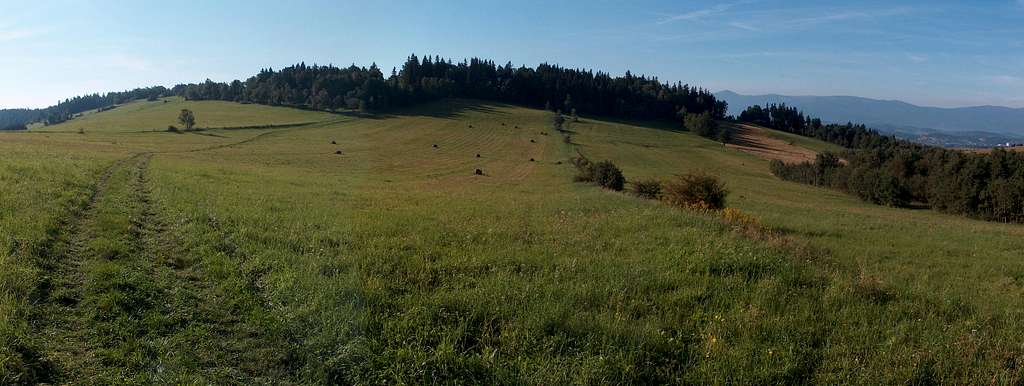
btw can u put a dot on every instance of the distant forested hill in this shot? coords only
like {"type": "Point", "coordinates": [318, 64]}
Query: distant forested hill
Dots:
{"type": "Point", "coordinates": [427, 79]}
{"type": "Point", "coordinates": [16, 119]}
{"type": "Point", "coordinates": [13, 119]}
{"type": "Point", "coordinates": [891, 115]}
{"type": "Point", "coordinates": [423, 80]}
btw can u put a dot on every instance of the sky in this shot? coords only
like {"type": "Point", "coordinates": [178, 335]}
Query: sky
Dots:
{"type": "Point", "coordinates": [925, 52]}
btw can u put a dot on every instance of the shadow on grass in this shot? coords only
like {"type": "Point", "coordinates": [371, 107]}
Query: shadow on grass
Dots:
{"type": "Point", "coordinates": [452, 109]}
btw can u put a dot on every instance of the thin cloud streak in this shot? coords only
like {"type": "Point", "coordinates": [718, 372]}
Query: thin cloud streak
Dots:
{"type": "Point", "coordinates": [698, 14]}
{"type": "Point", "coordinates": [17, 34]}
{"type": "Point", "coordinates": [841, 16]}
{"type": "Point", "coordinates": [748, 27]}
{"type": "Point", "coordinates": [917, 58]}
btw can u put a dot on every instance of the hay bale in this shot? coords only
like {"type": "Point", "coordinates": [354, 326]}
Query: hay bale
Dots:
{"type": "Point", "coordinates": [337, 152]}
{"type": "Point", "coordinates": [479, 172]}
{"type": "Point", "coordinates": [531, 160]}
{"type": "Point", "coordinates": [532, 141]}
{"type": "Point", "coordinates": [435, 146]}
{"type": "Point", "coordinates": [478, 155]}
{"type": "Point", "coordinates": [334, 142]}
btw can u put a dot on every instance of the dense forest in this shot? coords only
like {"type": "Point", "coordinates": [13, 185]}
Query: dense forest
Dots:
{"type": "Point", "coordinates": [15, 119]}
{"type": "Point", "coordinates": [420, 80]}
{"type": "Point", "coordinates": [888, 171]}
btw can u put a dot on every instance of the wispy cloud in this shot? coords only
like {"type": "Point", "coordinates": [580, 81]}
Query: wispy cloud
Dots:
{"type": "Point", "coordinates": [7, 35]}
{"type": "Point", "coordinates": [748, 27]}
{"type": "Point", "coordinates": [1005, 80]}
{"type": "Point", "coordinates": [917, 58]}
{"type": "Point", "coordinates": [841, 16]}
{"type": "Point", "coordinates": [697, 14]}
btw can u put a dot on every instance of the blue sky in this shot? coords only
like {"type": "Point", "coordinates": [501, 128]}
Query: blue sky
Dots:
{"type": "Point", "coordinates": [924, 52]}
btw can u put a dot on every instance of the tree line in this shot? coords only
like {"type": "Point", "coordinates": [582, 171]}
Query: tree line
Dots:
{"type": "Point", "coordinates": [419, 80]}
{"type": "Point", "coordinates": [888, 171]}
{"type": "Point", "coordinates": [790, 119]}
{"type": "Point", "coordinates": [427, 79]}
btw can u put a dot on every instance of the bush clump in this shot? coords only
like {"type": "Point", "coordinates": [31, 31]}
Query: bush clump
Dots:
{"type": "Point", "coordinates": [695, 190]}
{"type": "Point", "coordinates": [584, 169]}
{"type": "Point", "coordinates": [604, 173]}
{"type": "Point", "coordinates": [649, 189]}
{"type": "Point", "coordinates": [608, 176]}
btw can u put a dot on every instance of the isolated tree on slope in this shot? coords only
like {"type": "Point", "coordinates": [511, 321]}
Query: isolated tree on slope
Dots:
{"type": "Point", "coordinates": [187, 118]}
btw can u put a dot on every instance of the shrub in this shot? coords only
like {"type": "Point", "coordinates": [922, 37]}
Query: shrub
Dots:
{"type": "Point", "coordinates": [649, 189]}
{"type": "Point", "coordinates": [736, 217]}
{"type": "Point", "coordinates": [702, 124]}
{"type": "Point", "coordinates": [724, 135]}
{"type": "Point", "coordinates": [172, 129]}
{"type": "Point", "coordinates": [696, 190]}
{"type": "Point", "coordinates": [585, 169]}
{"type": "Point", "coordinates": [608, 176]}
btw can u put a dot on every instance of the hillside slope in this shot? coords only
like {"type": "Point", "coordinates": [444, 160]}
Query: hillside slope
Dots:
{"type": "Point", "coordinates": [158, 115]}
{"type": "Point", "coordinates": [365, 250]}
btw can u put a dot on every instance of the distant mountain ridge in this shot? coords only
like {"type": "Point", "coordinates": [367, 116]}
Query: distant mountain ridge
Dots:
{"type": "Point", "coordinates": [892, 115]}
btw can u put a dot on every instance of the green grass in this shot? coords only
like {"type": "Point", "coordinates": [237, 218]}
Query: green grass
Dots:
{"type": "Point", "coordinates": [261, 256]}
{"type": "Point", "coordinates": [158, 115]}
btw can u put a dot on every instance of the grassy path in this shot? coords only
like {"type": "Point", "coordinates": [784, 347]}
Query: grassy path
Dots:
{"type": "Point", "coordinates": [64, 294]}
{"type": "Point", "coordinates": [126, 298]}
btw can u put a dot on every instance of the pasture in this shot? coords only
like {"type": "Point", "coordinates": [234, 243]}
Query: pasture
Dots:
{"type": "Point", "coordinates": [262, 255]}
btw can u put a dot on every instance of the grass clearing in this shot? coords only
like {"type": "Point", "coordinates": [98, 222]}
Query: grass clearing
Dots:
{"type": "Point", "coordinates": [141, 116]}
{"type": "Point", "coordinates": [772, 144]}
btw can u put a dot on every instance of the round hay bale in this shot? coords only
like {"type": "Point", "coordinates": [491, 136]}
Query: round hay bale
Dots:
{"type": "Point", "coordinates": [479, 172]}
{"type": "Point", "coordinates": [337, 152]}
{"type": "Point", "coordinates": [435, 146]}
{"type": "Point", "coordinates": [334, 142]}
{"type": "Point", "coordinates": [531, 160]}
{"type": "Point", "coordinates": [532, 141]}
{"type": "Point", "coordinates": [478, 155]}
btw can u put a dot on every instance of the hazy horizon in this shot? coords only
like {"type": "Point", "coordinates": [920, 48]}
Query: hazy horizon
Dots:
{"type": "Point", "coordinates": [923, 53]}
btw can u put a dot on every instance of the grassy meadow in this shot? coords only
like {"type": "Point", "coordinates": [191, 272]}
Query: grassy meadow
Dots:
{"type": "Point", "coordinates": [263, 255]}
{"type": "Point", "coordinates": [141, 115]}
